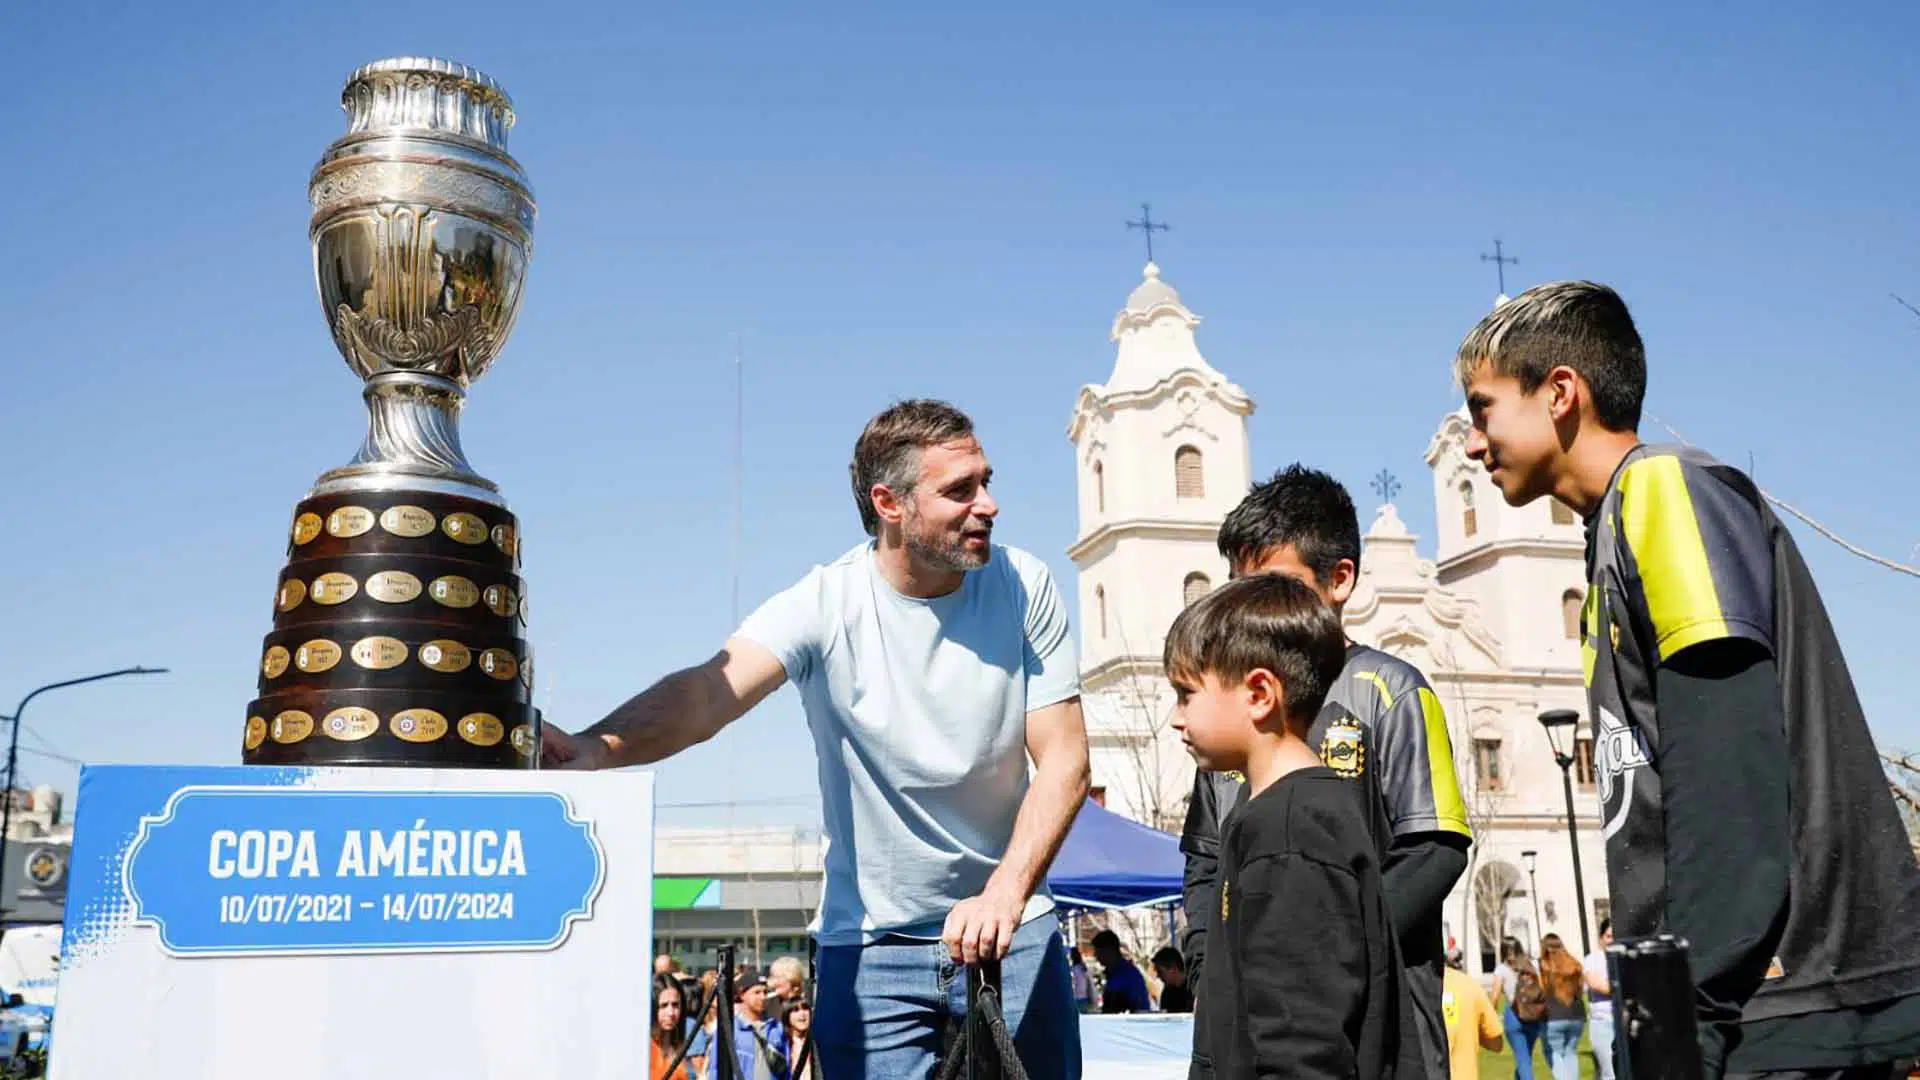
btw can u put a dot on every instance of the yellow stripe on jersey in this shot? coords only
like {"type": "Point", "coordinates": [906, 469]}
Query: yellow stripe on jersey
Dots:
{"type": "Point", "coordinates": [1657, 518]}
{"type": "Point", "coordinates": [1589, 631]}
{"type": "Point", "coordinates": [1448, 806]}
{"type": "Point", "coordinates": [1380, 684]}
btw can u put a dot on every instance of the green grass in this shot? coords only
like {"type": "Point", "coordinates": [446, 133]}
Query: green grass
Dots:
{"type": "Point", "coordinates": [1500, 1066]}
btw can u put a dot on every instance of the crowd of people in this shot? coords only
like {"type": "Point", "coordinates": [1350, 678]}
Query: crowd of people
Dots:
{"type": "Point", "coordinates": [1547, 1001]}
{"type": "Point", "coordinates": [1743, 803]}
{"type": "Point", "coordinates": [1121, 987]}
{"type": "Point", "coordinates": [772, 1017]}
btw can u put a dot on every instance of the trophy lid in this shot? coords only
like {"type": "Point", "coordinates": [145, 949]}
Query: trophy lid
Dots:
{"type": "Point", "coordinates": [418, 94]}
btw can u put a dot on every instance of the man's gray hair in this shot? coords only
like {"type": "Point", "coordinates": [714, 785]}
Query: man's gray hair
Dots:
{"type": "Point", "coordinates": [888, 451]}
{"type": "Point", "coordinates": [1582, 325]}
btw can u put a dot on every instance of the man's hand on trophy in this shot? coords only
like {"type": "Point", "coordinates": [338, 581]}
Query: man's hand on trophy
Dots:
{"type": "Point", "coordinates": [563, 750]}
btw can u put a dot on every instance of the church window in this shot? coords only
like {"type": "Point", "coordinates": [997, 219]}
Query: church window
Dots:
{"type": "Point", "coordinates": [1188, 480]}
{"type": "Point", "coordinates": [1486, 765]}
{"type": "Point", "coordinates": [1469, 519]}
{"type": "Point", "coordinates": [1583, 762]}
{"type": "Point", "coordinates": [1562, 513]}
{"type": "Point", "coordinates": [1570, 602]}
{"type": "Point", "coordinates": [1099, 488]}
{"type": "Point", "coordinates": [1100, 601]}
{"type": "Point", "coordinates": [1194, 587]}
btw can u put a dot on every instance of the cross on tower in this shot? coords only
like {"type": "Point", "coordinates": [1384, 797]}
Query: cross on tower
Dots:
{"type": "Point", "coordinates": [1147, 225]}
{"type": "Point", "coordinates": [1500, 259]}
{"type": "Point", "coordinates": [1385, 485]}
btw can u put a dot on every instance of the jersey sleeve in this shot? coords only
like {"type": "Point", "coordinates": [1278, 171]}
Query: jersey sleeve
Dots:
{"type": "Point", "coordinates": [1415, 756]}
{"type": "Point", "coordinates": [1052, 668]}
{"type": "Point", "coordinates": [1699, 561]}
{"type": "Point", "coordinates": [788, 625]}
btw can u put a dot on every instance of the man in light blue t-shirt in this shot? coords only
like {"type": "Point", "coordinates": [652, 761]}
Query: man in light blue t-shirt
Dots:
{"type": "Point", "coordinates": [932, 665]}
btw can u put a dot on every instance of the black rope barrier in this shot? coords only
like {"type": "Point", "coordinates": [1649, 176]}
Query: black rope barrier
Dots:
{"type": "Point", "coordinates": [981, 1043]}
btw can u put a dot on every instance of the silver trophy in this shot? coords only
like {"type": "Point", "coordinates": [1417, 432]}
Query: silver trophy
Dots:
{"type": "Point", "coordinates": [422, 230]}
{"type": "Point", "coordinates": [400, 618]}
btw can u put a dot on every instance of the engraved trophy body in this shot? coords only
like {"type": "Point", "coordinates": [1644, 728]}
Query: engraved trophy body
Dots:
{"type": "Point", "coordinates": [399, 619]}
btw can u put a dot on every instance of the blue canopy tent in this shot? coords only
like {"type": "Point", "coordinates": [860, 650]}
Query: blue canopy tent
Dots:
{"type": "Point", "coordinates": [1108, 862]}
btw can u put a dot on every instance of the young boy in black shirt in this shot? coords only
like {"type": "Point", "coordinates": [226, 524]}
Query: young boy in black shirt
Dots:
{"type": "Point", "coordinates": [1305, 979]}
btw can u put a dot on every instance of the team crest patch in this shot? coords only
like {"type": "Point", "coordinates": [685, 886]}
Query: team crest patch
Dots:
{"type": "Point", "coordinates": [1344, 748]}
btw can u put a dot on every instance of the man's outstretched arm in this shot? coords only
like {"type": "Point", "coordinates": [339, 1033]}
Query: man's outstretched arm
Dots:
{"type": "Point", "coordinates": [687, 707]}
{"type": "Point", "coordinates": [1057, 741]}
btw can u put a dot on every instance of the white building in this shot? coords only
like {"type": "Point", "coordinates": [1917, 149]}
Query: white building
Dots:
{"type": "Point", "coordinates": [1162, 454]}
{"type": "Point", "coordinates": [753, 887]}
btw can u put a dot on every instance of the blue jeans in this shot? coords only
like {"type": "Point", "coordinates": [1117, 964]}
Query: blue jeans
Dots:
{"type": "Point", "coordinates": [881, 1009]}
{"type": "Point", "coordinates": [1600, 1034]}
{"type": "Point", "coordinates": [1563, 1048]}
{"type": "Point", "coordinates": [1520, 1039]}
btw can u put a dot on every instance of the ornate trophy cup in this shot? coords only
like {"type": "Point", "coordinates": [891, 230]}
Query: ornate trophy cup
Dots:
{"type": "Point", "coordinates": [398, 622]}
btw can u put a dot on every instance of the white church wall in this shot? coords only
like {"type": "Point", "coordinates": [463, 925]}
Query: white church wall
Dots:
{"type": "Point", "coordinates": [1484, 618]}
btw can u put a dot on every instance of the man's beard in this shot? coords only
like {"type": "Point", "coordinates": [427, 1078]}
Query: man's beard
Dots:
{"type": "Point", "coordinates": [941, 553]}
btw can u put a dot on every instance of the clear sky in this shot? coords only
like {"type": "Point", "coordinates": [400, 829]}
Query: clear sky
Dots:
{"type": "Point", "coordinates": [896, 200]}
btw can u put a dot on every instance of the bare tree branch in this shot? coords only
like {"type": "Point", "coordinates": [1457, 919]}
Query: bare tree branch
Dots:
{"type": "Point", "coordinates": [1907, 797]}
{"type": "Point", "coordinates": [1902, 302]}
{"type": "Point", "coordinates": [1823, 530]}
{"type": "Point", "coordinates": [1140, 731]}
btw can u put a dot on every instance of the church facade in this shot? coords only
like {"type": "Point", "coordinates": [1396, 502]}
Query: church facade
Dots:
{"type": "Point", "coordinates": [1162, 454]}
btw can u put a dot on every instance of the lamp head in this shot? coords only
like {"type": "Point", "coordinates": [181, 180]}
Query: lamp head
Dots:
{"type": "Point", "coordinates": [1560, 724]}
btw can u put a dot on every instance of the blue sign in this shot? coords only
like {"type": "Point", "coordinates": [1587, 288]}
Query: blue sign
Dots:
{"type": "Point", "coordinates": [272, 871]}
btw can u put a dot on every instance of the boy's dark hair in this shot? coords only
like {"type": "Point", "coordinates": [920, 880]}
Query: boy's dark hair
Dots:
{"type": "Point", "coordinates": [1579, 324]}
{"type": "Point", "coordinates": [888, 450]}
{"type": "Point", "coordinates": [1106, 938]}
{"type": "Point", "coordinates": [1169, 957]}
{"type": "Point", "coordinates": [1299, 506]}
{"type": "Point", "coordinates": [1264, 621]}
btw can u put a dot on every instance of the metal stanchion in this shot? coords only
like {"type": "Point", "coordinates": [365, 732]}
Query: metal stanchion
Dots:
{"type": "Point", "coordinates": [803, 1055]}
{"type": "Point", "coordinates": [1657, 1035]}
{"type": "Point", "coordinates": [723, 1023]}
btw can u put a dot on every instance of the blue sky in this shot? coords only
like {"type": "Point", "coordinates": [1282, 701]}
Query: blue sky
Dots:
{"type": "Point", "coordinates": [897, 200]}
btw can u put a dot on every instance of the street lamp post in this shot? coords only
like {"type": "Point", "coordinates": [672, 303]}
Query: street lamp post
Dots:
{"type": "Point", "coordinates": [1533, 890]}
{"type": "Point", "coordinates": [13, 754]}
{"type": "Point", "coordinates": [1559, 724]}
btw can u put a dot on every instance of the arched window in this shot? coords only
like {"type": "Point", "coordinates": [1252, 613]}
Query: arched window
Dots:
{"type": "Point", "coordinates": [1195, 587]}
{"type": "Point", "coordinates": [1562, 513]}
{"type": "Point", "coordinates": [1100, 602]}
{"type": "Point", "coordinates": [1099, 488]}
{"type": "Point", "coordinates": [1189, 482]}
{"type": "Point", "coordinates": [1469, 520]}
{"type": "Point", "coordinates": [1570, 602]}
